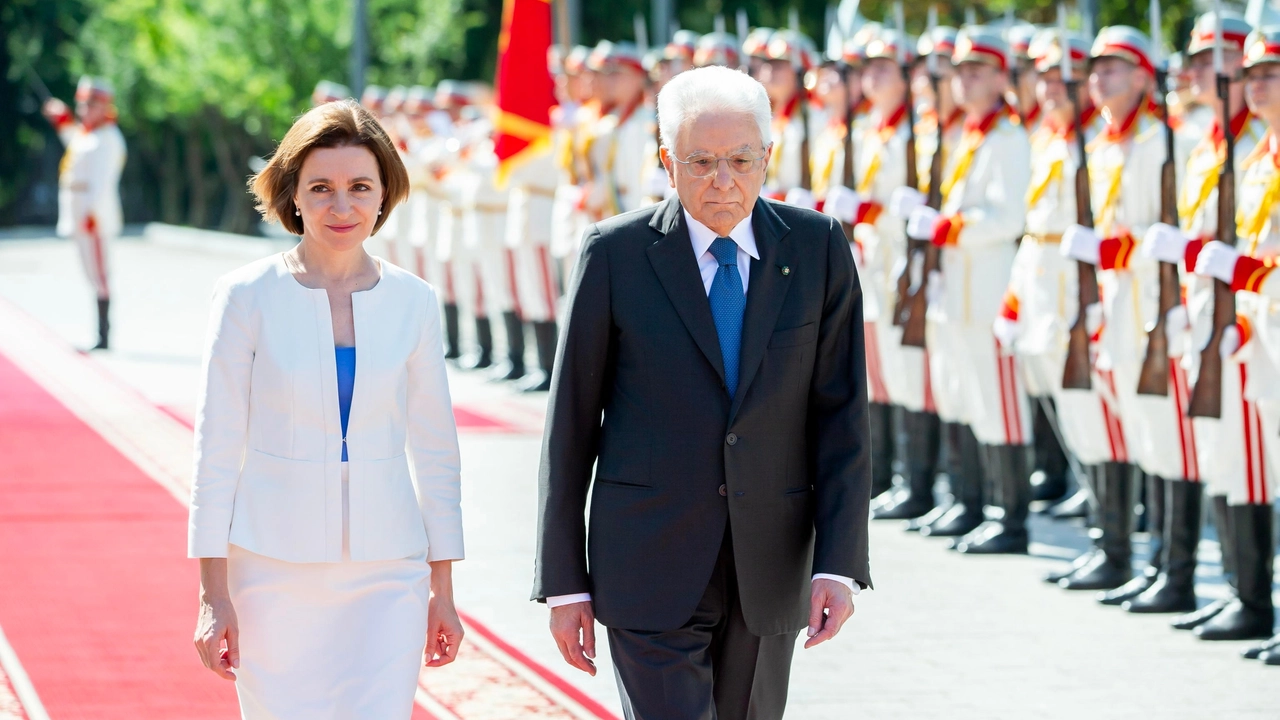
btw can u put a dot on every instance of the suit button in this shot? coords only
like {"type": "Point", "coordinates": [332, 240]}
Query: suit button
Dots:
{"type": "Point", "coordinates": [731, 439]}
{"type": "Point", "coordinates": [724, 491]}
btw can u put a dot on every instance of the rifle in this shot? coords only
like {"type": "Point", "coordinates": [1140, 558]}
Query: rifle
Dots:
{"type": "Point", "coordinates": [1076, 373]}
{"type": "Point", "coordinates": [1206, 396]}
{"type": "Point", "coordinates": [847, 167]}
{"type": "Point", "coordinates": [923, 253]}
{"type": "Point", "coordinates": [1154, 377]}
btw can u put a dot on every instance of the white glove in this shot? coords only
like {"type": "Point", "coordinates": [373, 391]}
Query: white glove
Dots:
{"type": "Point", "coordinates": [1165, 243]}
{"type": "Point", "coordinates": [1177, 323]}
{"type": "Point", "coordinates": [801, 198]}
{"type": "Point", "coordinates": [1081, 243]}
{"type": "Point", "coordinates": [903, 200]}
{"type": "Point", "coordinates": [921, 222]}
{"type": "Point", "coordinates": [1230, 341]}
{"type": "Point", "coordinates": [1217, 260]}
{"type": "Point", "coordinates": [1093, 318]}
{"type": "Point", "coordinates": [1006, 331]}
{"type": "Point", "coordinates": [842, 204]}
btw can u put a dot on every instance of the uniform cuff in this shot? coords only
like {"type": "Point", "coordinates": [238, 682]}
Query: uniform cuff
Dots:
{"type": "Point", "coordinates": [1115, 253]}
{"type": "Point", "coordinates": [947, 232]}
{"type": "Point", "coordinates": [1250, 273]}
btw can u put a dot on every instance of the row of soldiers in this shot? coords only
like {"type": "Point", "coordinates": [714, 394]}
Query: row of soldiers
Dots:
{"type": "Point", "coordinates": [1061, 314]}
{"type": "Point", "coordinates": [1067, 309]}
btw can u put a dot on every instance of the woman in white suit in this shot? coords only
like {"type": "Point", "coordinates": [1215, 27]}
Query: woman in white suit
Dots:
{"type": "Point", "coordinates": [326, 505]}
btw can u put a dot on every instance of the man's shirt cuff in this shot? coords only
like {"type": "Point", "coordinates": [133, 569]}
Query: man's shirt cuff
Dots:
{"type": "Point", "coordinates": [847, 582]}
{"type": "Point", "coordinates": [558, 600]}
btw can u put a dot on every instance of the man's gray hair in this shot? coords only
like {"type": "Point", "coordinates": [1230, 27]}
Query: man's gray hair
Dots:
{"type": "Point", "coordinates": [711, 89]}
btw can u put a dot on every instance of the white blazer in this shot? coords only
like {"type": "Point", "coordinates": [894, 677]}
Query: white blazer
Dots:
{"type": "Point", "coordinates": [268, 455]}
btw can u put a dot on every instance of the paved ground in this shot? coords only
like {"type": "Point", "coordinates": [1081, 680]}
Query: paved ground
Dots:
{"type": "Point", "coordinates": [943, 635]}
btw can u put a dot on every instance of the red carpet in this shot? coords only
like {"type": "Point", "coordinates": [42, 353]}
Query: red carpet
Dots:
{"type": "Point", "coordinates": [96, 594]}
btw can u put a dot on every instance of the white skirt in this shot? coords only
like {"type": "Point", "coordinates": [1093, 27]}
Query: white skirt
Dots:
{"type": "Point", "coordinates": [338, 640]}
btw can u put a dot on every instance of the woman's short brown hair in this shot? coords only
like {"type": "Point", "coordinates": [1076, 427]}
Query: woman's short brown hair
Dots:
{"type": "Point", "coordinates": [343, 123]}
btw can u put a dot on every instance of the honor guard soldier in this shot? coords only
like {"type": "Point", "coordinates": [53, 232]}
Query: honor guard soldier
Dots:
{"type": "Point", "coordinates": [789, 56]}
{"type": "Point", "coordinates": [374, 99]}
{"type": "Point", "coordinates": [1249, 270]}
{"type": "Point", "coordinates": [617, 149]}
{"type": "Point", "coordinates": [89, 209]}
{"type": "Point", "coordinates": [1205, 451]}
{"type": "Point", "coordinates": [717, 48]}
{"type": "Point", "coordinates": [415, 139]}
{"type": "Point", "coordinates": [389, 241]}
{"type": "Point", "coordinates": [532, 183]}
{"type": "Point", "coordinates": [974, 378]}
{"type": "Point", "coordinates": [854, 54]}
{"type": "Point", "coordinates": [896, 373]}
{"type": "Point", "coordinates": [1124, 167]}
{"type": "Point", "coordinates": [1230, 455]}
{"type": "Point", "coordinates": [1040, 302]}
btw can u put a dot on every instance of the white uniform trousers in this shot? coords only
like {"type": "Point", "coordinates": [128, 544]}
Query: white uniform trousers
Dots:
{"type": "Point", "coordinates": [1164, 436]}
{"type": "Point", "coordinates": [1240, 457]}
{"type": "Point", "coordinates": [977, 383]}
{"type": "Point", "coordinates": [94, 248]}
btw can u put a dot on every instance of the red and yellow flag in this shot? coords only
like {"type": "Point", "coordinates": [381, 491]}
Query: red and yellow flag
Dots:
{"type": "Point", "coordinates": [525, 90]}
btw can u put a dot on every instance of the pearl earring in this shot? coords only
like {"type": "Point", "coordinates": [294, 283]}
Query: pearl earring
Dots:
{"type": "Point", "coordinates": [297, 212]}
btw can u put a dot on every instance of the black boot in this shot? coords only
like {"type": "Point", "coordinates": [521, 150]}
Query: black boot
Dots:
{"type": "Point", "coordinates": [882, 447]}
{"type": "Point", "coordinates": [1251, 615]}
{"type": "Point", "coordinates": [920, 462]}
{"type": "Point", "coordinates": [104, 325]}
{"type": "Point", "coordinates": [514, 368]}
{"type": "Point", "coordinates": [1074, 506]}
{"type": "Point", "coordinates": [1049, 478]}
{"type": "Point", "coordinates": [1226, 540]}
{"type": "Point", "coordinates": [544, 337]}
{"type": "Point", "coordinates": [1089, 477]}
{"type": "Point", "coordinates": [1268, 647]}
{"type": "Point", "coordinates": [483, 356]}
{"type": "Point", "coordinates": [1007, 534]}
{"type": "Point", "coordinates": [1174, 589]}
{"type": "Point", "coordinates": [965, 512]}
{"type": "Point", "coordinates": [949, 465]}
{"type": "Point", "coordinates": [452, 350]}
{"type": "Point", "coordinates": [1153, 515]}
{"type": "Point", "coordinates": [1110, 568]}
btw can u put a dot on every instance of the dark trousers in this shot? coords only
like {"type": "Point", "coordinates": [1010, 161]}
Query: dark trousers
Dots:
{"type": "Point", "coordinates": [711, 668]}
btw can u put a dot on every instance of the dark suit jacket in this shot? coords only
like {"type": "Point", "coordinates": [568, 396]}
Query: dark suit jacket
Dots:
{"type": "Point", "coordinates": [639, 393]}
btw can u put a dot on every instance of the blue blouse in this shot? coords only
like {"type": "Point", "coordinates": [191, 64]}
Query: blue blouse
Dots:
{"type": "Point", "coordinates": [346, 360]}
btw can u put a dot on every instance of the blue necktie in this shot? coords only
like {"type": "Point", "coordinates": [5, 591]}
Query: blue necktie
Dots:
{"type": "Point", "coordinates": [728, 304]}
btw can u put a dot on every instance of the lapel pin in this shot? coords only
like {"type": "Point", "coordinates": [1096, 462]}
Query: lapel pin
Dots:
{"type": "Point", "coordinates": [786, 269]}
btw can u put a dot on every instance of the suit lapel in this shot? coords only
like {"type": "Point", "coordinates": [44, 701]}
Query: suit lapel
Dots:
{"type": "Point", "coordinates": [766, 290]}
{"type": "Point", "coordinates": [677, 269]}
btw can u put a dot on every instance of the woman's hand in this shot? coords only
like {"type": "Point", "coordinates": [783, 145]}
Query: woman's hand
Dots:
{"type": "Point", "coordinates": [217, 621]}
{"type": "Point", "coordinates": [444, 629]}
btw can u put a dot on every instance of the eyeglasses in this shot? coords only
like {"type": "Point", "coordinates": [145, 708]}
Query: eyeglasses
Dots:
{"type": "Point", "coordinates": [701, 165]}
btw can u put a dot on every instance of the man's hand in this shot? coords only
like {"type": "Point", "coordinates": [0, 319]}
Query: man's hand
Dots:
{"type": "Point", "coordinates": [830, 605]}
{"type": "Point", "coordinates": [574, 628]}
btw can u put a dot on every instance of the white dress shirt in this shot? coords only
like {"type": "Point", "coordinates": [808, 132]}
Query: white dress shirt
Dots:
{"type": "Point", "coordinates": [701, 238]}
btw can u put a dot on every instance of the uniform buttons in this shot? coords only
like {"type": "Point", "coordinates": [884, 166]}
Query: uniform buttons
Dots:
{"type": "Point", "coordinates": [731, 438]}
{"type": "Point", "coordinates": [724, 491]}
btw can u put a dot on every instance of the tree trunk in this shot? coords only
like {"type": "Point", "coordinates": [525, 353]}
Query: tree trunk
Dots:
{"type": "Point", "coordinates": [227, 144]}
{"type": "Point", "coordinates": [169, 172]}
{"type": "Point", "coordinates": [197, 193]}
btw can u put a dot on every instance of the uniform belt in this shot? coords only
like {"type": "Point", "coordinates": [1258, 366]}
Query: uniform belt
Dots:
{"type": "Point", "coordinates": [541, 192]}
{"type": "Point", "coordinates": [489, 208]}
{"type": "Point", "coordinates": [1045, 238]}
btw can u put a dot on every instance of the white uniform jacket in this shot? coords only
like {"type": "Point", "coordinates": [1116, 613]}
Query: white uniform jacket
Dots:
{"type": "Point", "coordinates": [987, 192]}
{"type": "Point", "coordinates": [89, 179]}
{"type": "Point", "coordinates": [268, 438]}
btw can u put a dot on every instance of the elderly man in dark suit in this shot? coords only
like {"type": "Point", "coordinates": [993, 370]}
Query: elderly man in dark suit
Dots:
{"type": "Point", "coordinates": [712, 373]}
